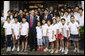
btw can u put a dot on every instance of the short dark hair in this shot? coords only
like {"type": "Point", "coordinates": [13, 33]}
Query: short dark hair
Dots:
{"type": "Point", "coordinates": [62, 12]}
{"type": "Point", "coordinates": [58, 15]}
{"type": "Point", "coordinates": [15, 18]}
{"type": "Point", "coordinates": [53, 19]}
{"type": "Point", "coordinates": [63, 19]}
{"type": "Point", "coordinates": [9, 11]}
{"type": "Point", "coordinates": [7, 17]}
{"type": "Point", "coordinates": [71, 11]}
{"type": "Point", "coordinates": [39, 22]}
{"type": "Point", "coordinates": [80, 9]}
{"type": "Point", "coordinates": [72, 16]}
{"type": "Point", "coordinates": [66, 11]}
{"type": "Point", "coordinates": [46, 10]}
{"type": "Point", "coordinates": [76, 6]}
{"type": "Point", "coordinates": [43, 19]}
{"type": "Point", "coordinates": [48, 20]}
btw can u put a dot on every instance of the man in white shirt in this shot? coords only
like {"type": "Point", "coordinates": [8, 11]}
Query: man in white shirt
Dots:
{"type": "Point", "coordinates": [61, 14]}
{"type": "Point", "coordinates": [67, 16]}
{"type": "Point", "coordinates": [76, 14]}
{"type": "Point", "coordinates": [2, 19]}
{"type": "Point", "coordinates": [81, 17]}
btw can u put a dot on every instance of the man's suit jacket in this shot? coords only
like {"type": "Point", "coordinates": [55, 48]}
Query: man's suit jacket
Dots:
{"type": "Point", "coordinates": [20, 18]}
{"type": "Point", "coordinates": [49, 17]}
{"type": "Point", "coordinates": [34, 22]}
{"type": "Point", "coordinates": [41, 17]}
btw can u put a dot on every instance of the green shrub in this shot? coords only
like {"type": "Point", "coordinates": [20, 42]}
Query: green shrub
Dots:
{"type": "Point", "coordinates": [82, 31]}
{"type": "Point", "coordinates": [2, 29]}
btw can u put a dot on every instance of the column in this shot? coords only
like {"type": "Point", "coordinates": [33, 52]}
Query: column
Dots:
{"type": "Point", "coordinates": [6, 8]}
{"type": "Point", "coordinates": [82, 4]}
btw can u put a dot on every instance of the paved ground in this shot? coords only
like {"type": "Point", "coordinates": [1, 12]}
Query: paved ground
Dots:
{"type": "Point", "coordinates": [3, 52]}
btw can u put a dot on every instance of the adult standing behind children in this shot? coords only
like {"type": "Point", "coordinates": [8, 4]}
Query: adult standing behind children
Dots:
{"type": "Point", "coordinates": [32, 31]}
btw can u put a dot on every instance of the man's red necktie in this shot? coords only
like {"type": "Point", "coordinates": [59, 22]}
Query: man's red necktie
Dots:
{"type": "Point", "coordinates": [31, 21]}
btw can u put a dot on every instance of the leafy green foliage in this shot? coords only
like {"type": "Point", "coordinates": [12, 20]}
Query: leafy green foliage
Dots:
{"type": "Point", "coordinates": [82, 31]}
{"type": "Point", "coordinates": [2, 29]}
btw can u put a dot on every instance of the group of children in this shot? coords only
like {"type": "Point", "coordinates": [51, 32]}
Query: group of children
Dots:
{"type": "Point", "coordinates": [53, 37]}
{"type": "Point", "coordinates": [61, 31]}
{"type": "Point", "coordinates": [16, 31]}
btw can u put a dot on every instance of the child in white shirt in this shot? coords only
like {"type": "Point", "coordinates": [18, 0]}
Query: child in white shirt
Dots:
{"type": "Point", "coordinates": [66, 34]}
{"type": "Point", "coordinates": [60, 35]}
{"type": "Point", "coordinates": [24, 33]}
{"type": "Point", "coordinates": [8, 33]}
{"type": "Point", "coordinates": [51, 35]}
{"type": "Point", "coordinates": [55, 30]}
{"type": "Point", "coordinates": [44, 35]}
{"type": "Point", "coordinates": [16, 33]}
{"type": "Point", "coordinates": [81, 17]}
{"type": "Point", "coordinates": [74, 30]}
{"type": "Point", "coordinates": [39, 36]}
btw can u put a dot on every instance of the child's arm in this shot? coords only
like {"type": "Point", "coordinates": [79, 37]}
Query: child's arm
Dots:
{"type": "Point", "coordinates": [78, 28]}
{"type": "Point", "coordinates": [4, 26]}
{"type": "Point", "coordinates": [41, 28]}
{"type": "Point", "coordinates": [20, 29]}
{"type": "Point", "coordinates": [42, 31]}
{"type": "Point", "coordinates": [57, 32]}
{"type": "Point", "coordinates": [62, 31]}
{"type": "Point", "coordinates": [5, 31]}
{"type": "Point", "coordinates": [67, 34]}
{"type": "Point", "coordinates": [78, 31]}
{"type": "Point", "coordinates": [46, 32]}
{"type": "Point", "coordinates": [27, 31]}
{"type": "Point", "coordinates": [67, 29]}
{"type": "Point", "coordinates": [13, 32]}
{"type": "Point", "coordinates": [52, 34]}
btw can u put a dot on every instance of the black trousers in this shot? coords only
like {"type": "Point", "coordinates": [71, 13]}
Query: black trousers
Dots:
{"type": "Point", "coordinates": [9, 42]}
{"type": "Point", "coordinates": [32, 39]}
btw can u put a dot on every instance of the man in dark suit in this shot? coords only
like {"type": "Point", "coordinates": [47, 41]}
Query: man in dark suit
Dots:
{"type": "Point", "coordinates": [41, 16]}
{"type": "Point", "coordinates": [20, 16]}
{"type": "Point", "coordinates": [31, 19]}
{"type": "Point", "coordinates": [51, 10]}
{"type": "Point", "coordinates": [47, 16]}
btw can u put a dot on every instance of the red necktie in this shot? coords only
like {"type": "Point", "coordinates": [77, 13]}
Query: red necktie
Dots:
{"type": "Point", "coordinates": [31, 21]}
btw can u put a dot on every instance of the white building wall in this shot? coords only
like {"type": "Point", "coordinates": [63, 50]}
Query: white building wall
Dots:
{"type": "Point", "coordinates": [6, 8]}
{"type": "Point", "coordinates": [82, 4]}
